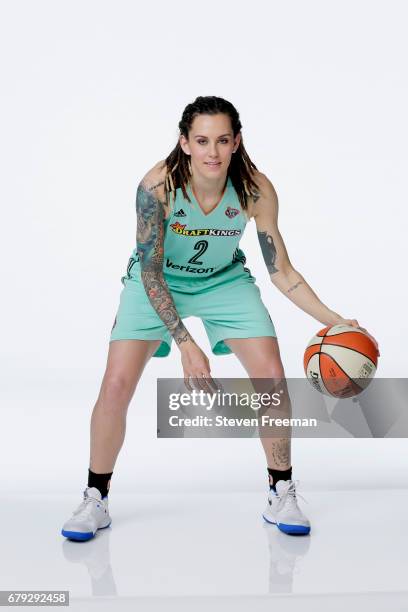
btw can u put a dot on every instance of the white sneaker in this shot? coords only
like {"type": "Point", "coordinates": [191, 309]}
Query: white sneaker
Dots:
{"type": "Point", "coordinates": [92, 514]}
{"type": "Point", "coordinates": [283, 511]}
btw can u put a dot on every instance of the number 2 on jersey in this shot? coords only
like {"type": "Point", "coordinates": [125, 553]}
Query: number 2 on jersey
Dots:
{"type": "Point", "coordinates": [201, 246]}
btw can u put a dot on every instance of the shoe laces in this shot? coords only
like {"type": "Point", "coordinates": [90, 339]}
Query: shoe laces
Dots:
{"type": "Point", "coordinates": [85, 507]}
{"type": "Point", "coordinates": [288, 496]}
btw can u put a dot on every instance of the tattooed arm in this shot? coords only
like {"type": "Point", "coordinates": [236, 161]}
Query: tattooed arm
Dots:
{"type": "Point", "coordinates": [150, 210]}
{"type": "Point", "coordinates": [282, 274]}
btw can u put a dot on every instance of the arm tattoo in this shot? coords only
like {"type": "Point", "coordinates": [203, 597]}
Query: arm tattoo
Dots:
{"type": "Point", "coordinates": [156, 185]}
{"type": "Point", "coordinates": [268, 251]}
{"type": "Point", "coordinates": [150, 239]}
{"type": "Point", "coordinates": [295, 286]}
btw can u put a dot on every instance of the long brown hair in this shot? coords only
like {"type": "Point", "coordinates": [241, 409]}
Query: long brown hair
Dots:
{"type": "Point", "coordinates": [177, 162]}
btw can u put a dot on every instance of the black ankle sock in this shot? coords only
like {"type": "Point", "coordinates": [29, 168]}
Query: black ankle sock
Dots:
{"type": "Point", "coordinates": [275, 475]}
{"type": "Point", "coordinates": [100, 481]}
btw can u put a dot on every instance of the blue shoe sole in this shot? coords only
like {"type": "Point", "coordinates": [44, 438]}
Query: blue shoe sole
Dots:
{"type": "Point", "coordinates": [294, 529]}
{"type": "Point", "coordinates": [79, 536]}
{"type": "Point", "coordinates": [290, 529]}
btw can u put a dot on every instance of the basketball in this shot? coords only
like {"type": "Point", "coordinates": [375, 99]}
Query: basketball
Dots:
{"type": "Point", "coordinates": [340, 361]}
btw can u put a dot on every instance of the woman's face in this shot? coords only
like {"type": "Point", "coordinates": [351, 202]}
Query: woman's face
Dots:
{"type": "Point", "coordinates": [210, 140]}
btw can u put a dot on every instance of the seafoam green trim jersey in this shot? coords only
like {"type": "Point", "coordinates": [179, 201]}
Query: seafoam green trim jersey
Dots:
{"type": "Point", "coordinates": [198, 245]}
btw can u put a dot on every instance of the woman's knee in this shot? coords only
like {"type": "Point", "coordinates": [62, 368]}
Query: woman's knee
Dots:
{"type": "Point", "coordinates": [117, 389]}
{"type": "Point", "coordinates": [267, 362]}
{"type": "Point", "coordinates": [269, 368]}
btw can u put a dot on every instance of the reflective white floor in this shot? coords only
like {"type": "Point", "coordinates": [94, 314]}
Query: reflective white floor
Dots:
{"type": "Point", "coordinates": [214, 550]}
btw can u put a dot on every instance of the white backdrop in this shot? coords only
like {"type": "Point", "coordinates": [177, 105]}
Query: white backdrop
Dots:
{"type": "Point", "coordinates": [92, 93]}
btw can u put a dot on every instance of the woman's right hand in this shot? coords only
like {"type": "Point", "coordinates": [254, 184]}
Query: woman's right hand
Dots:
{"type": "Point", "coordinates": [196, 367]}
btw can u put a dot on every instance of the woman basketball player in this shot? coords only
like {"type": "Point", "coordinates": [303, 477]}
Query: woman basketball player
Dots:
{"type": "Point", "coordinates": [192, 209]}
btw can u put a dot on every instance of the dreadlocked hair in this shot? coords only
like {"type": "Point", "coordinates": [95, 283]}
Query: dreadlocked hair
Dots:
{"type": "Point", "coordinates": [178, 168]}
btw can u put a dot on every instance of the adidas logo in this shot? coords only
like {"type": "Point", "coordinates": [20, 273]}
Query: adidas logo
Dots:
{"type": "Point", "coordinates": [180, 213]}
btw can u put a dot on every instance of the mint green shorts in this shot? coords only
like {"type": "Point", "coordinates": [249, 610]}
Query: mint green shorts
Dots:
{"type": "Point", "coordinates": [228, 303]}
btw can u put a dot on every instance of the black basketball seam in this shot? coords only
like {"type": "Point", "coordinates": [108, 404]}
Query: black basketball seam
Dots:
{"type": "Point", "coordinates": [328, 329]}
{"type": "Point", "coordinates": [344, 372]}
{"type": "Point", "coordinates": [343, 332]}
{"type": "Point", "coordinates": [351, 349]}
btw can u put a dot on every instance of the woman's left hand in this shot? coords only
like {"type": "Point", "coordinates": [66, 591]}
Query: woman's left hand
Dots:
{"type": "Point", "coordinates": [354, 323]}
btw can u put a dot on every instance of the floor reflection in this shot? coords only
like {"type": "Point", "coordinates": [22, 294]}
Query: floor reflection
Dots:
{"type": "Point", "coordinates": [286, 553]}
{"type": "Point", "coordinates": [95, 555]}
{"type": "Point", "coordinates": [285, 560]}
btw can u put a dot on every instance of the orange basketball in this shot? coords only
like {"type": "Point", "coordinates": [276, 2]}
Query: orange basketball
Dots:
{"type": "Point", "coordinates": [340, 361]}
